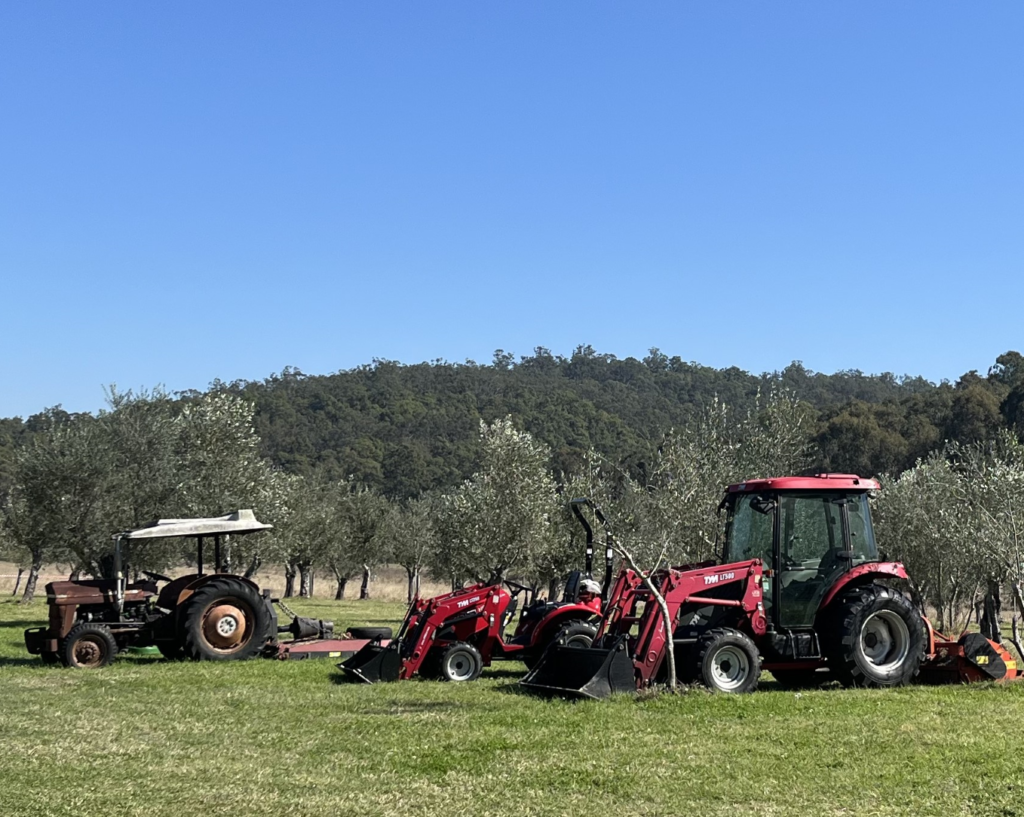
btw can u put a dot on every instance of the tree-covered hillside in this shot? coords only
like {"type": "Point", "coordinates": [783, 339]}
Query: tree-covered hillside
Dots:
{"type": "Point", "coordinates": [406, 429]}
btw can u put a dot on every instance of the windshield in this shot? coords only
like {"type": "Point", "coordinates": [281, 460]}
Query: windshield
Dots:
{"type": "Point", "coordinates": [748, 532]}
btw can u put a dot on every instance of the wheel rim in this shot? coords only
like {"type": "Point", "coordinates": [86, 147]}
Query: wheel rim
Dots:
{"type": "Point", "coordinates": [885, 640]}
{"type": "Point", "coordinates": [730, 668]}
{"type": "Point", "coordinates": [89, 651]}
{"type": "Point", "coordinates": [579, 642]}
{"type": "Point", "coordinates": [225, 625]}
{"type": "Point", "coordinates": [460, 666]}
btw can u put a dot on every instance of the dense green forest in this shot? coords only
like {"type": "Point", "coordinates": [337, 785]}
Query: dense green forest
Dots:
{"type": "Point", "coordinates": [406, 429]}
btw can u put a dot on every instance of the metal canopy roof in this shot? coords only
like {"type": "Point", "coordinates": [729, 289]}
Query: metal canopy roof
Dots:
{"type": "Point", "coordinates": [243, 521]}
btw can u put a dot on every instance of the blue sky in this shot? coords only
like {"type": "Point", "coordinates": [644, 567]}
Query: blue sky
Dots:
{"type": "Point", "coordinates": [220, 190]}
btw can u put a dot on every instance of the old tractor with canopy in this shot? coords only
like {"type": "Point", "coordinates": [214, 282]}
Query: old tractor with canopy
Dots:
{"type": "Point", "coordinates": [209, 616]}
{"type": "Point", "coordinates": [800, 590]}
{"type": "Point", "coordinates": [452, 637]}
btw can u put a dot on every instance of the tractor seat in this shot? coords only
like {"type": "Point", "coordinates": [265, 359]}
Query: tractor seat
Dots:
{"type": "Point", "coordinates": [510, 612]}
{"type": "Point", "coordinates": [572, 587]}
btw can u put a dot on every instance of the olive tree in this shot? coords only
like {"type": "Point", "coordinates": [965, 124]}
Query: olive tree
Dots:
{"type": "Point", "coordinates": [496, 521]}
{"type": "Point", "coordinates": [922, 519]}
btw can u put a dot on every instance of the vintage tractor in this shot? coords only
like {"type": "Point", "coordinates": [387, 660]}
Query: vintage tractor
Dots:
{"type": "Point", "coordinates": [800, 591]}
{"type": "Point", "coordinates": [203, 616]}
{"type": "Point", "coordinates": [452, 637]}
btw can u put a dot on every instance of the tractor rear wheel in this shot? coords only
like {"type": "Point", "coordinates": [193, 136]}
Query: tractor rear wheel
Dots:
{"type": "Point", "coordinates": [224, 620]}
{"type": "Point", "coordinates": [874, 638]}
{"type": "Point", "coordinates": [88, 646]}
{"type": "Point", "coordinates": [461, 662]}
{"type": "Point", "coordinates": [727, 661]}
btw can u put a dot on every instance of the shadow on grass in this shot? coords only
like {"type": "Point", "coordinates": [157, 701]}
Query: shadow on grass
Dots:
{"type": "Point", "coordinates": [513, 688]}
{"type": "Point", "coordinates": [26, 661]}
{"type": "Point", "coordinates": [504, 673]}
{"type": "Point", "coordinates": [22, 625]}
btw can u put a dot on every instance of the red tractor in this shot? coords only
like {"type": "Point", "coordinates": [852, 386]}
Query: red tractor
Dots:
{"type": "Point", "coordinates": [454, 636]}
{"type": "Point", "coordinates": [800, 591]}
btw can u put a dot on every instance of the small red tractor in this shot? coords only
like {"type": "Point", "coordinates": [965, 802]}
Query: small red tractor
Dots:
{"type": "Point", "coordinates": [202, 616]}
{"type": "Point", "coordinates": [452, 637]}
{"type": "Point", "coordinates": [800, 591]}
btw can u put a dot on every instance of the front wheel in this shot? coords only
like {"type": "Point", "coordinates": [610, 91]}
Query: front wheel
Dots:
{"type": "Point", "coordinates": [874, 638]}
{"type": "Point", "coordinates": [461, 662]}
{"type": "Point", "coordinates": [727, 661]}
{"type": "Point", "coordinates": [88, 646]}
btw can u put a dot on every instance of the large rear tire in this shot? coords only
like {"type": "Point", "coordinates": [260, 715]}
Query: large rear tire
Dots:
{"type": "Point", "coordinates": [224, 620]}
{"type": "Point", "coordinates": [88, 646]}
{"type": "Point", "coordinates": [874, 638]}
{"type": "Point", "coordinates": [727, 661]}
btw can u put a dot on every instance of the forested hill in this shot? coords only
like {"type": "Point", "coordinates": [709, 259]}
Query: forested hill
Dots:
{"type": "Point", "coordinates": [408, 428]}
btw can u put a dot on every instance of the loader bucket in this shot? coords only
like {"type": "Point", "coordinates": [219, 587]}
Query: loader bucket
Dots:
{"type": "Point", "coordinates": [594, 672]}
{"type": "Point", "coordinates": [373, 663]}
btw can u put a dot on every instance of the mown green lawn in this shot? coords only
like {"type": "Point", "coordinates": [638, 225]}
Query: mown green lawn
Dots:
{"type": "Point", "coordinates": [147, 737]}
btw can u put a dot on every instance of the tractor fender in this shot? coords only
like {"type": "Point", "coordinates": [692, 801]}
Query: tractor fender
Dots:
{"type": "Point", "coordinates": [178, 592]}
{"type": "Point", "coordinates": [558, 618]}
{"type": "Point", "coordinates": [865, 574]}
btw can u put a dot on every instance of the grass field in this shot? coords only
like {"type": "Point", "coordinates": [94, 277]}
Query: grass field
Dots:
{"type": "Point", "coordinates": [146, 737]}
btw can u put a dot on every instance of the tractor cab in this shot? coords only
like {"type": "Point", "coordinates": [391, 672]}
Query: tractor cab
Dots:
{"type": "Point", "coordinates": [808, 531]}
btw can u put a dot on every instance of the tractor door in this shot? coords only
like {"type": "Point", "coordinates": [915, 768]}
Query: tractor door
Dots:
{"type": "Point", "coordinates": [813, 553]}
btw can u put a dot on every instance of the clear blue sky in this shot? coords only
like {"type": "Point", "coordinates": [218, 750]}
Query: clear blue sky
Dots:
{"type": "Point", "coordinates": [220, 190]}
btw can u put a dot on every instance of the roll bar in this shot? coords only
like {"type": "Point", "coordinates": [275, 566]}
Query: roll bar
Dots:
{"type": "Point", "coordinates": [609, 552]}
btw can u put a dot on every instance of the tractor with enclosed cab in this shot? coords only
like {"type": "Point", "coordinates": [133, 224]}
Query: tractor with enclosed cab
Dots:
{"type": "Point", "coordinates": [800, 590]}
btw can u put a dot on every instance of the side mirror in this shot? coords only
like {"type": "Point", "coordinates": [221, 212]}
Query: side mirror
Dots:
{"type": "Point", "coordinates": [763, 504]}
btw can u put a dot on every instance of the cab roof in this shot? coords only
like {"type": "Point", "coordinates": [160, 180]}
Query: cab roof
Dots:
{"type": "Point", "coordinates": [819, 482]}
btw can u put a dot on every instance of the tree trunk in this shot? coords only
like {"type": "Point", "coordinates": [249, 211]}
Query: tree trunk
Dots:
{"type": "Point", "coordinates": [666, 614]}
{"type": "Point", "coordinates": [340, 594]}
{"type": "Point", "coordinates": [254, 565]}
{"type": "Point", "coordinates": [364, 588]}
{"type": "Point", "coordinates": [414, 583]}
{"type": "Point", "coordinates": [33, 579]}
{"type": "Point", "coordinates": [304, 581]}
{"type": "Point", "coordinates": [76, 574]}
{"type": "Point", "coordinates": [553, 588]}
{"type": "Point", "coordinates": [990, 613]}
{"type": "Point", "coordinates": [289, 580]}
{"type": "Point", "coordinates": [17, 581]}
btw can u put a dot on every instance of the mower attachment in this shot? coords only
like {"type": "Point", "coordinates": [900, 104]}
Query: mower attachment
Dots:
{"type": "Point", "coordinates": [374, 663]}
{"type": "Point", "coordinates": [594, 672]}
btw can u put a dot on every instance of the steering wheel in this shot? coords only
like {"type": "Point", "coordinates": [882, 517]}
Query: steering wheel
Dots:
{"type": "Point", "coordinates": [157, 577]}
{"type": "Point", "coordinates": [517, 586]}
